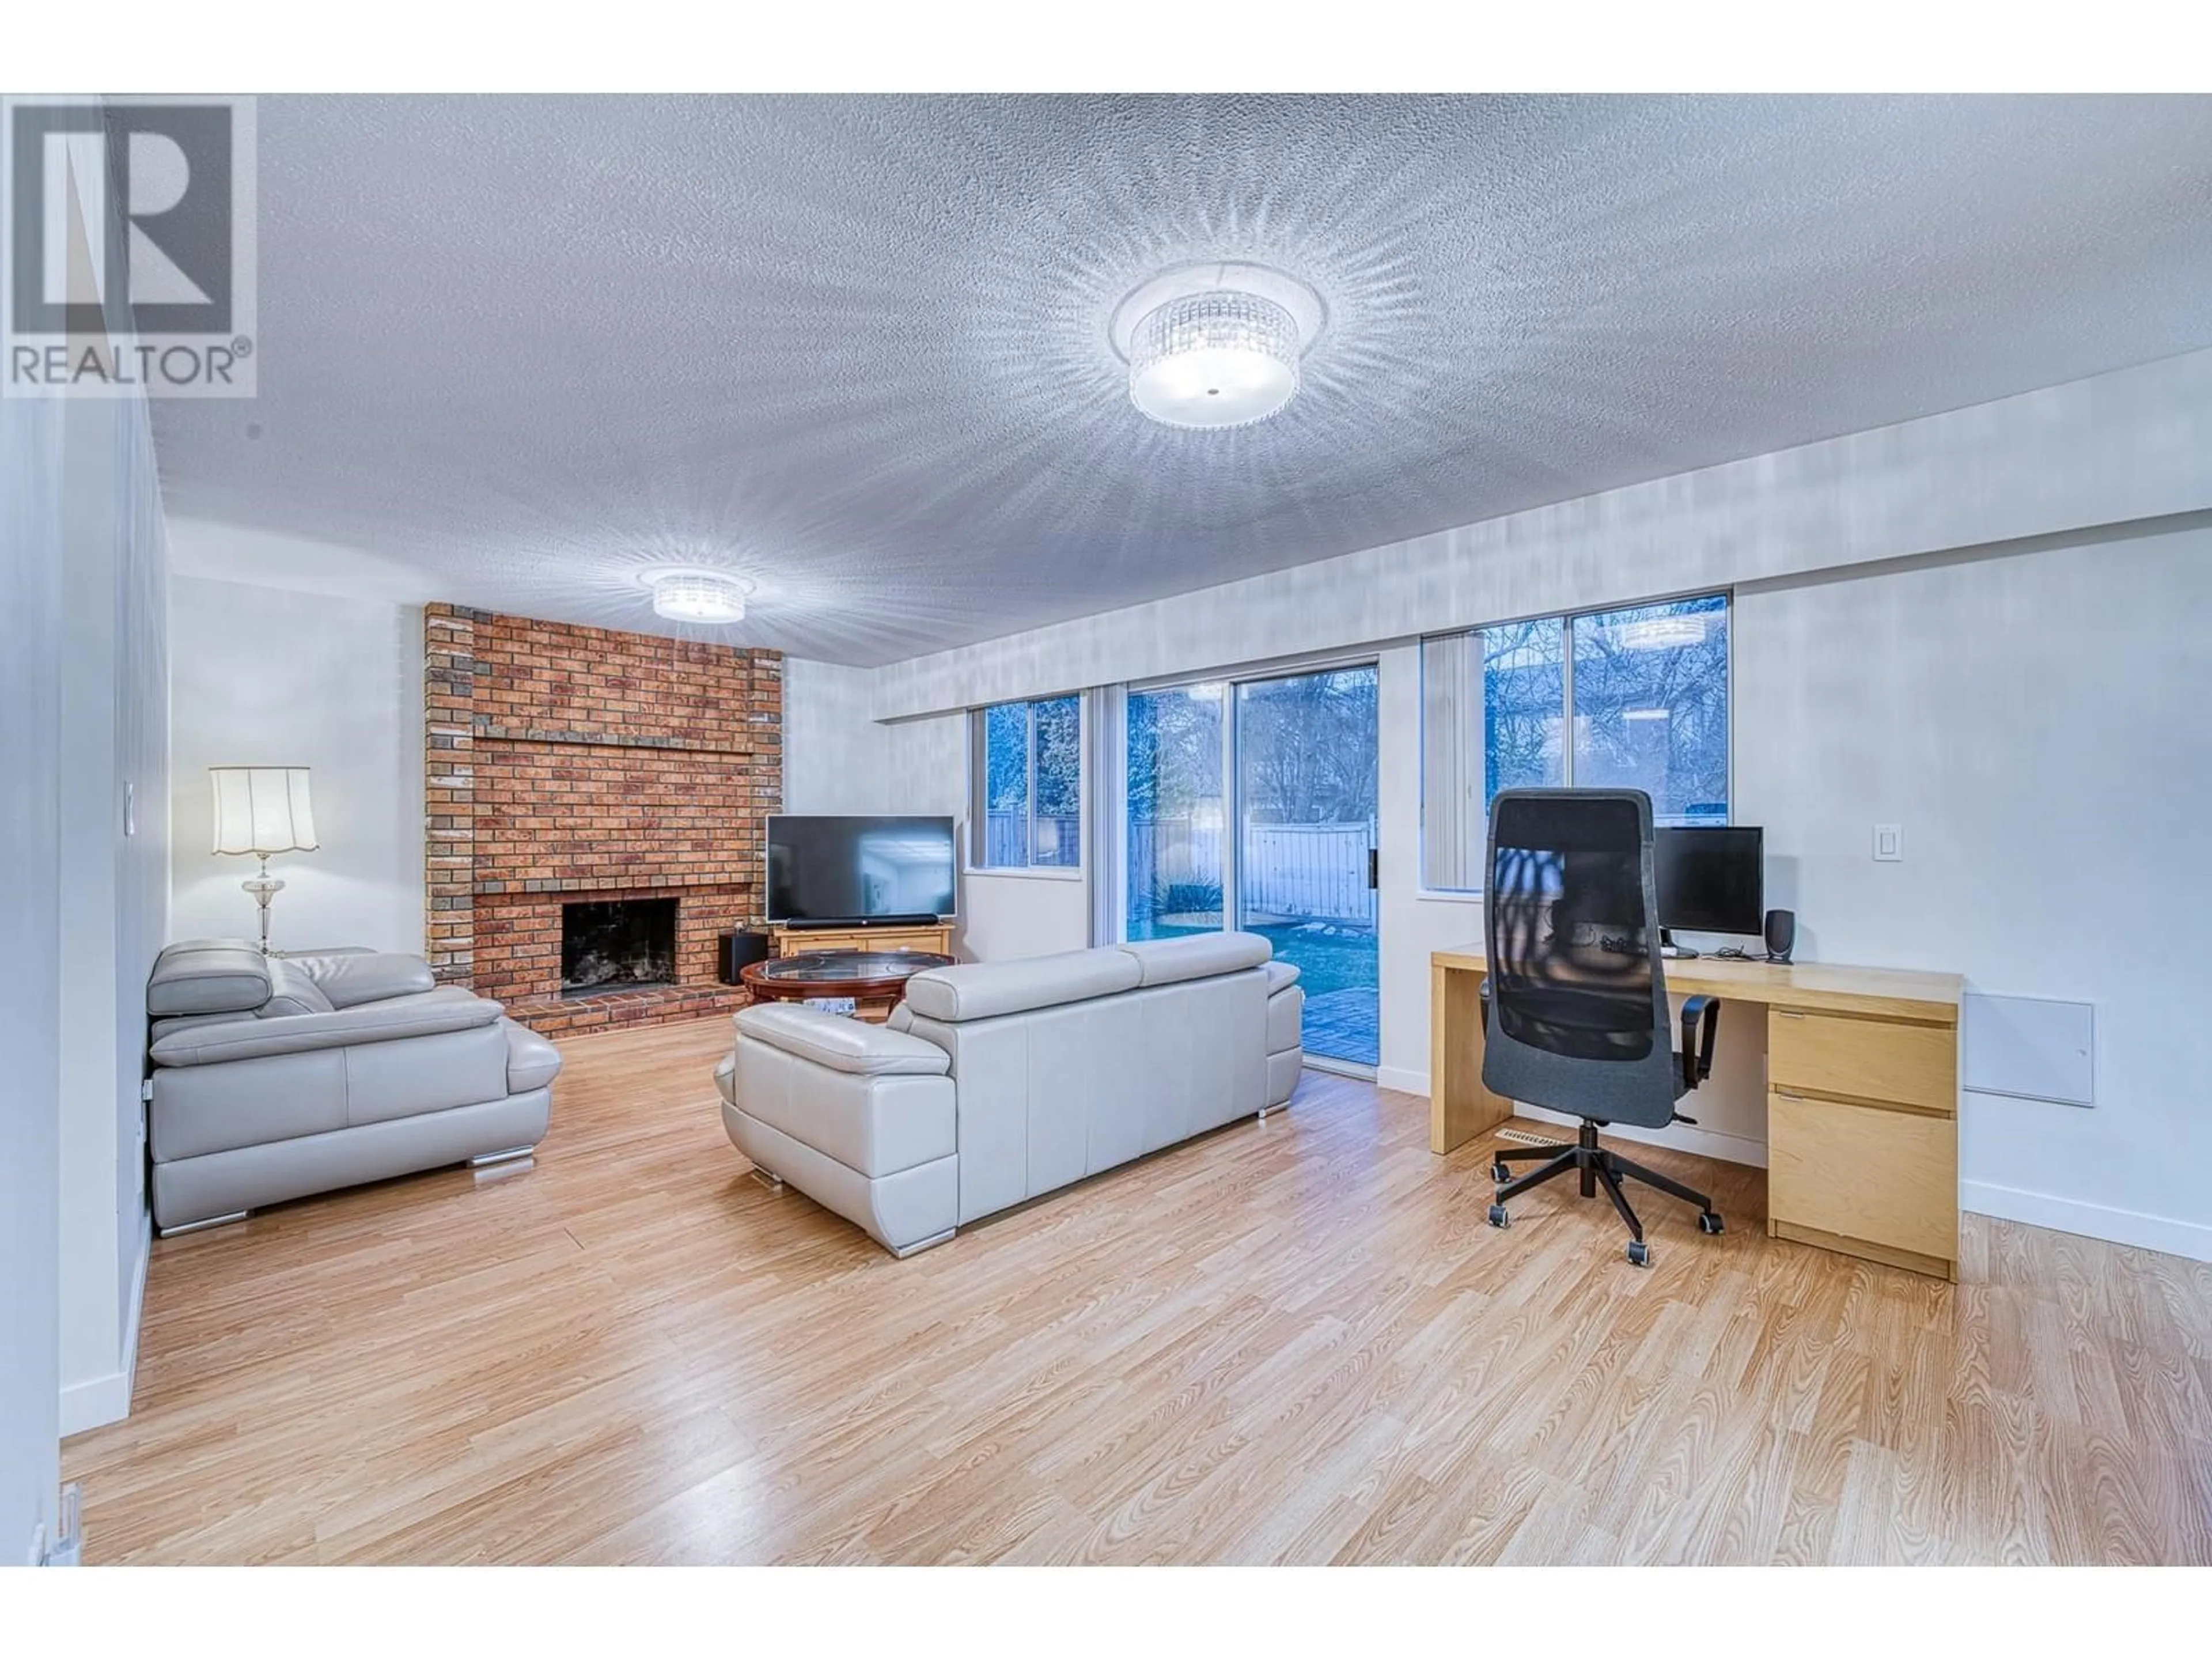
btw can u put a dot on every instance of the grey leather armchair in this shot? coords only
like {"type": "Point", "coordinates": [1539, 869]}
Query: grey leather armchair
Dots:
{"type": "Point", "coordinates": [275, 1078]}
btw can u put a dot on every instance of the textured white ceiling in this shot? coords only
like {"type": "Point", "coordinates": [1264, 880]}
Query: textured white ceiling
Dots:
{"type": "Point", "coordinates": [513, 349]}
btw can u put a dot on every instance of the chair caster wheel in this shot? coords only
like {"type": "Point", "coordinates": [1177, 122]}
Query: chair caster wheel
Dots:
{"type": "Point", "coordinates": [1500, 1174]}
{"type": "Point", "coordinates": [1709, 1223]}
{"type": "Point", "coordinates": [1639, 1253]}
{"type": "Point", "coordinates": [1498, 1218]}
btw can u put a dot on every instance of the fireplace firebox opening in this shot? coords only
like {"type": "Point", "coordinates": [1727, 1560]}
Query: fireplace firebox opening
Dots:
{"type": "Point", "coordinates": [619, 946]}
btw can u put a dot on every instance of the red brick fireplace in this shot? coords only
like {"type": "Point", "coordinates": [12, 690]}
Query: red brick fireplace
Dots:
{"type": "Point", "coordinates": [577, 765]}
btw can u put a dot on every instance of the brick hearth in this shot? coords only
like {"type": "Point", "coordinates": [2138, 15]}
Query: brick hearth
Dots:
{"type": "Point", "coordinates": [569, 764]}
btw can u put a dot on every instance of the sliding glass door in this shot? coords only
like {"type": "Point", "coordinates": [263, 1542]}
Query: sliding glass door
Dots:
{"type": "Point", "coordinates": [1178, 812]}
{"type": "Point", "coordinates": [1305, 784]}
{"type": "Point", "coordinates": [1252, 805]}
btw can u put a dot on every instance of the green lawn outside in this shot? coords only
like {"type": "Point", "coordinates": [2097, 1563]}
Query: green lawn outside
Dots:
{"type": "Point", "coordinates": [1328, 958]}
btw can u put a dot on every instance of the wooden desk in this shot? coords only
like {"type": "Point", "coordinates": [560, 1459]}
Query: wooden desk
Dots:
{"type": "Point", "coordinates": [1862, 1095]}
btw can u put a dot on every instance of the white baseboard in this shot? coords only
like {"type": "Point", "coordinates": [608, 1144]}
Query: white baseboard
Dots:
{"type": "Point", "coordinates": [1706, 1143]}
{"type": "Point", "coordinates": [99, 1400]}
{"type": "Point", "coordinates": [137, 1307]}
{"type": "Point", "coordinates": [95, 1401]}
{"type": "Point", "coordinates": [2191, 1239]}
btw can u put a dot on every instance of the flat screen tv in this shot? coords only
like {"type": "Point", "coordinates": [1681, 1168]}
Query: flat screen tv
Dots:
{"type": "Point", "coordinates": [856, 869]}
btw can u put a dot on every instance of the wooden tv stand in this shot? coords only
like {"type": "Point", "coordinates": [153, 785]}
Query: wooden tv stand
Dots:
{"type": "Point", "coordinates": [795, 941]}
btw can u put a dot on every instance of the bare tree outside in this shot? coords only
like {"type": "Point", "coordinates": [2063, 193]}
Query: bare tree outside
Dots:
{"type": "Point", "coordinates": [1651, 705]}
{"type": "Point", "coordinates": [1033, 782]}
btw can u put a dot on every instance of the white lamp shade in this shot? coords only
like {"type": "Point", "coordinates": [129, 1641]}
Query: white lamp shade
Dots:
{"type": "Point", "coordinates": [262, 808]}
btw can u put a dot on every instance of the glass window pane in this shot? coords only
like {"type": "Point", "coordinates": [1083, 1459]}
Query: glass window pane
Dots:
{"type": "Point", "coordinates": [1056, 832]}
{"type": "Point", "coordinates": [1651, 706]}
{"type": "Point", "coordinates": [1006, 784]}
{"type": "Point", "coordinates": [1176, 811]}
{"type": "Point", "coordinates": [1523, 709]}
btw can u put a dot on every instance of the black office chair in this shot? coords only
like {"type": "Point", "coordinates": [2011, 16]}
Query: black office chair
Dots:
{"type": "Point", "coordinates": [1575, 1002]}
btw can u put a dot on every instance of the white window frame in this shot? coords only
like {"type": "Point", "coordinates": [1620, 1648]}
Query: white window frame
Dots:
{"type": "Point", "coordinates": [979, 803]}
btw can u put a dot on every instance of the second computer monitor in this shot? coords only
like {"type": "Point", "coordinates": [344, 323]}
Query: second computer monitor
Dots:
{"type": "Point", "coordinates": [1711, 880]}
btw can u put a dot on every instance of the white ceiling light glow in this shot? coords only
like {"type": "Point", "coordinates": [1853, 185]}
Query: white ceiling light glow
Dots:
{"type": "Point", "coordinates": [1216, 345]}
{"type": "Point", "coordinates": [1219, 359]}
{"type": "Point", "coordinates": [698, 595]}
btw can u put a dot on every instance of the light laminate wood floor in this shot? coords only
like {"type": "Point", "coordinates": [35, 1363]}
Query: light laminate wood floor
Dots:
{"type": "Point", "coordinates": [1295, 1341]}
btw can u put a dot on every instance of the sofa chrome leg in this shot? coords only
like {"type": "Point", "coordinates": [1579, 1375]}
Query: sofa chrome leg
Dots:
{"type": "Point", "coordinates": [484, 1160]}
{"type": "Point", "coordinates": [767, 1178]}
{"type": "Point", "coordinates": [201, 1226]}
{"type": "Point", "coordinates": [925, 1243]}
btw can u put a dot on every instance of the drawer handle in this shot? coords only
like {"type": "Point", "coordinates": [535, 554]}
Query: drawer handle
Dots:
{"type": "Point", "coordinates": [1787, 1094]}
{"type": "Point", "coordinates": [1787, 1013]}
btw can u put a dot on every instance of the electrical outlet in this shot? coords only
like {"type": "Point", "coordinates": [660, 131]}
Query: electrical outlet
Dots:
{"type": "Point", "coordinates": [1888, 843]}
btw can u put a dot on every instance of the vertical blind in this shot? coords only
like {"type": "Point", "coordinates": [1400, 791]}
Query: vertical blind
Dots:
{"type": "Point", "coordinates": [1454, 816]}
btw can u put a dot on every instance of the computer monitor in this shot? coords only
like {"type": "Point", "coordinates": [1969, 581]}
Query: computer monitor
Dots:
{"type": "Point", "coordinates": [1712, 879]}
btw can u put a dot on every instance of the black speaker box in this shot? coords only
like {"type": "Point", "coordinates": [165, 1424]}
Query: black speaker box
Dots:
{"type": "Point", "coordinates": [739, 948]}
{"type": "Point", "coordinates": [1781, 934]}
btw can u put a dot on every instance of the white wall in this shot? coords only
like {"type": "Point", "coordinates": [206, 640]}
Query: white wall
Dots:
{"type": "Point", "coordinates": [265, 675]}
{"type": "Point", "coordinates": [33, 555]}
{"type": "Point", "coordinates": [1029, 914]}
{"type": "Point", "coordinates": [836, 757]}
{"type": "Point", "coordinates": [2041, 726]}
{"type": "Point", "coordinates": [115, 884]}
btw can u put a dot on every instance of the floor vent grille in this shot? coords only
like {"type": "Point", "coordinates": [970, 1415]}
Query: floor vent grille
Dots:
{"type": "Point", "coordinates": [1523, 1138]}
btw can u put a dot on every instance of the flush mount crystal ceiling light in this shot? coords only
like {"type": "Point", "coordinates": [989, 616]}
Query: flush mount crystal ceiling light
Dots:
{"type": "Point", "coordinates": [1215, 344]}
{"type": "Point", "coordinates": [697, 596]}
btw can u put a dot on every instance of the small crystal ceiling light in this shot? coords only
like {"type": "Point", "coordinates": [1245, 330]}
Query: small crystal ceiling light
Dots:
{"type": "Point", "coordinates": [1216, 345]}
{"type": "Point", "coordinates": [698, 595]}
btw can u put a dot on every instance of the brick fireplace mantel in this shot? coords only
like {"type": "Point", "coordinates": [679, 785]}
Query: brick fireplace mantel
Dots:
{"type": "Point", "coordinates": [571, 764]}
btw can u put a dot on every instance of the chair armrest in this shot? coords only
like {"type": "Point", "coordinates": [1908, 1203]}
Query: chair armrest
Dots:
{"type": "Point", "coordinates": [451, 1009]}
{"type": "Point", "coordinates": [532, 1061]}
{"type": "Point", "coordinates": [1701, 1018]}
{"type": "Point", "coordinates": [842, 1044]}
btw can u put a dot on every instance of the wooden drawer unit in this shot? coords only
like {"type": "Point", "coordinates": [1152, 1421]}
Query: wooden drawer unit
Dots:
{"type": "Point", "coordinates": [1875, 1181]}
{"type": "Point", "coordinates": [1897, 1061]}
{"type": "Point", "coordinates": [1862, 1136]}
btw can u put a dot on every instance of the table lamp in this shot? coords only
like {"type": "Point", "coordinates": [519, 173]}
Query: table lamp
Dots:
{"type": "Point", "coordinates": [262, 809]}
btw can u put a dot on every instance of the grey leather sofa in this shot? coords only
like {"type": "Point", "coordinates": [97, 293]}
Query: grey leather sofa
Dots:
{"type": "Point", "coordinates": [275, 1078]}
{"type": "Point", "coordinates": [996, 1082]}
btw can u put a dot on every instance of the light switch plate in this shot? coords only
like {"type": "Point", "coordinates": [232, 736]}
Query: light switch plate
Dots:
{"type": "Point", "coordinates": [1888, 843]}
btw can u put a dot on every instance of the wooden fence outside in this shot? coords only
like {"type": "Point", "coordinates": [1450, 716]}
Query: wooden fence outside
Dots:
{"type": "Point", "coordinates": [1316, 870]}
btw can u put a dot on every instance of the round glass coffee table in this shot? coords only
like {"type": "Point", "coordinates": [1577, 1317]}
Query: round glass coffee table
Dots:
{"type": "Point", "coordinates": [874, 980]}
